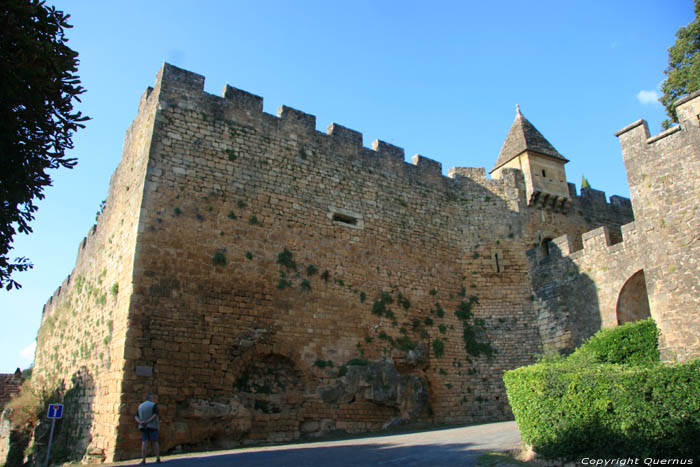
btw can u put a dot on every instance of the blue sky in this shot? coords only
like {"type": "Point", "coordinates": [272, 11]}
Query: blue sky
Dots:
{"type": "Point", "coordinates": [438, 78]}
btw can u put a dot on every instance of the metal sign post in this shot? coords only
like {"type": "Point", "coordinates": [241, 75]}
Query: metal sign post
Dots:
{"type": "Point", "coordinates": [55, 411]}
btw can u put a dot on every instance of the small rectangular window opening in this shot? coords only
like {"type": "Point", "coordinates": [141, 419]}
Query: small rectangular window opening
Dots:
{"type": "Point", "coordinates": [498, 266]}
{"type": "Point", "coordinates": [345, 219]}
{"type": "Point", "coordinates": [544, 174]}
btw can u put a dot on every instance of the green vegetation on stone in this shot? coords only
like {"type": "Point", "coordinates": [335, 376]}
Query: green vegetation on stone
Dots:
{"type": "Point", "coordinates": [611, 398]}
{"type": "Point", "coordinates": [438, 347]}
{"type": "Point", "coordinates": [219, 259]}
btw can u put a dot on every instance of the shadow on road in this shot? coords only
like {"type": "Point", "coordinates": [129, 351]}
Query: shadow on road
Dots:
{"type": "Point", "coordinates": [347, 455]}
{"type": "Point", "coordinates": [456, 446]}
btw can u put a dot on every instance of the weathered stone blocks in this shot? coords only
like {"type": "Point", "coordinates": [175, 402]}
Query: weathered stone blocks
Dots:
{"type": "Point", "coordinates": [258, 261]}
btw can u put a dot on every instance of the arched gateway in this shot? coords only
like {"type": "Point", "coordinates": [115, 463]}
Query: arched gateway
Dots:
{"type": "Point", "coordinates": [633, 302]}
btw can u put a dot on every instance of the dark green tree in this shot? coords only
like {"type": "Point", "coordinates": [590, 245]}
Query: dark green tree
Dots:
{"type": "Point", "coordinates": [38, 86]}
{"type": "Point", "coordinates": [683, 72]}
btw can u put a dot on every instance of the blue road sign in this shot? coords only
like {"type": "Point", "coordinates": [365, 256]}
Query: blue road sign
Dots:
{"type": "Point", "coordinates": [55, 410]}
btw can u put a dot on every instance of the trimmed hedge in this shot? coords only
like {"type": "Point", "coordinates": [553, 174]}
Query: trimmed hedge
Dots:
{"type": "Point", "coordinates": [632, 343]}
{"type": "Point", "coordinates": [578, 407]}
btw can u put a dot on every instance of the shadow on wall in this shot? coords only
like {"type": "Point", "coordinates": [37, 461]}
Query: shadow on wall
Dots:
{"type": "Point", "coordinates": [566, 300]}
{"type": "Point", "coordinates": [72, 432]}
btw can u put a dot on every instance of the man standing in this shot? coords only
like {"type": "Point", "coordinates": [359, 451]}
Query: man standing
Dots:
{"type": "Point", "coordinates": [149, 424]}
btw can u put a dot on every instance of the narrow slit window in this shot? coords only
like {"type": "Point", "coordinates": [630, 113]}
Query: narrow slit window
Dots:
{"type": "Point", "coordinates": [497, 261]}
{"type": "Point", "coordinates": [544, 174]}
{"type": "Point", "coordinates": [545, 247]}
{"type": "Point", "coordinates": [345, 219]}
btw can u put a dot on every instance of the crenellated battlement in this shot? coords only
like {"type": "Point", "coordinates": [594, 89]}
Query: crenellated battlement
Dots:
{"type": "Point", "coordinates": [594, 241]}
{"type": "Point", "coordinates": [182, 88]}
{"type": "Point", "coordinates": [635, 137]}
{"type": "Point", "coordinates": [590, 198]}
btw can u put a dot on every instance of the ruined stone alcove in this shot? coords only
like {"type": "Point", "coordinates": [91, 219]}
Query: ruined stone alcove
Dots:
{"type": "Point", "coordinates": [270, 384]}
{"type": "Point", "coordinates": [633, 301]}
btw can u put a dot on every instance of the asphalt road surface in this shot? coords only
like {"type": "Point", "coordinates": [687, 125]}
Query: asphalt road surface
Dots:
{"type": "Point", "coordinates": [435, 448]}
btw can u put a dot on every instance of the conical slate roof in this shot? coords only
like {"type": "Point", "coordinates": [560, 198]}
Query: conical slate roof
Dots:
{"type": "Point", "coordinates": [523, 136]}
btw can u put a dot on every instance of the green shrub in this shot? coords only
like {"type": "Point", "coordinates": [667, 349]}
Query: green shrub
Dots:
{"type": "Point", "coordinates": [379, 307]}
{"type": "Point", "coordinates": [610, 398]}
{"type": "Point", "coordinates": [219, 259]}
{"type": "Point", "coordinates": [606, 410]}
{"type": "Point", "coordinates": [286, 259]}
{"type": "Point", "coordinates": [632, 343]}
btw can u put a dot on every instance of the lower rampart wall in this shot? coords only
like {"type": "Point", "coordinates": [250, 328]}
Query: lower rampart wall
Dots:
{"type": "Point", "coordinates": [81, 341]}
{"type": "Point", "coordinates": [654, 270]}
{"type": "Point", "coordinates": [577, 292]}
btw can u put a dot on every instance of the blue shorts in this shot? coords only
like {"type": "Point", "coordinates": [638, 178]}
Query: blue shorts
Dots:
{"type": "Point", "coordinates": [149, 434]}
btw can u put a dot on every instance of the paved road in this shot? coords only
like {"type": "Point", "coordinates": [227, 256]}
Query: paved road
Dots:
{"type": "Point", "coordinates": [435, 448]}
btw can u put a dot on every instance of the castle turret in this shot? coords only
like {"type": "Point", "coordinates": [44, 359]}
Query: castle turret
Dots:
{"type": "Point", "coordinates": [543, 167]}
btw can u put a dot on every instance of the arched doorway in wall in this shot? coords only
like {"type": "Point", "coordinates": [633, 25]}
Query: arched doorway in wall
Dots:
{"type": "Point", "coordinates": [633, 301]}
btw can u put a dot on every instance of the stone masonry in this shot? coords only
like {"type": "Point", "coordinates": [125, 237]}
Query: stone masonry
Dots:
{"type": "Point", "coordinates": [654, 269]}
{"type": "Point", "coordinates": [9, 386]}
{"type": "Point", "coordinates": [270, 282]}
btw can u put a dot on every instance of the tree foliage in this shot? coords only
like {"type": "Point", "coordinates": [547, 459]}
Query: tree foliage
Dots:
{"type": "Point", "coordinates": [683, 72]}
{"type": "Point", "coordinates": [38, 86]}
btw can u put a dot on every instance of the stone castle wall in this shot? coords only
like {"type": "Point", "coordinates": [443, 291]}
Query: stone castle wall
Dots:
{"type": "Point", "coordinates": [276, 282]}
{"type": "Point", "coordinates": [81, 342]}
{"type": "Point", "coordinates": [227, 180]}
{"type": "Point", "coordinates": [663, 176]}
{"type": "Point", "coordinates": [653, 269]}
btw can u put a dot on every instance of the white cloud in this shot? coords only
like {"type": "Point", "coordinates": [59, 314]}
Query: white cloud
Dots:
{"type": "Point", "coordinates": [648, 97]}
{"type": "Point", "coordinates": [28, 351]}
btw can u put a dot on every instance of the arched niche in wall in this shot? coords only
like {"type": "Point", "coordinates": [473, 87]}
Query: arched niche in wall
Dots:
{"type": "Point", "coordinates": [633, 301]}
{"type": "Point", "coordinates": [545, 247]}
